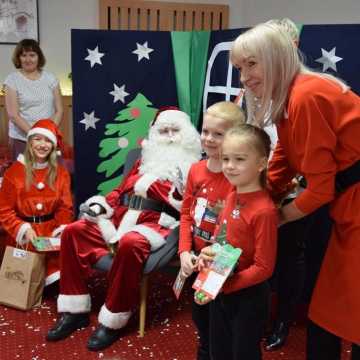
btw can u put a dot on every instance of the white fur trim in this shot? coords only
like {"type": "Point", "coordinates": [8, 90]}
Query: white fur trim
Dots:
{"type": "Point", "coordinates": [107, 229]}
{"type": "Point", "coordinates": [21, 159]}
{"type": "Point", "coordinates": [92, 219]}
{"type": "Point", "coordinates": [154, 238]}
{"type": "Point", "coordinates": [167, 221]}
{"type": "Point", "coordinates": [58, 231]}
{"type": "Point", "coordinates": [142, 185]}
{"type": "Point", "coordinates": [171, 117]}
{"type": "Point", "coordinates": [113, 320]}
{"type": "Point", "coordinates": [43, 131]}
{"type": "Point", "coordinates": [172, 201]}
{"type": "Point", "coordinates": [52, 278]}
{"type": "Point", "coordinates": [128, 221]}
{"type": "Point", "coordinates": [21, 232]}
{"type": "Point", "coordinates": [74, 304]}
{"type": "Point", "coordinates": [101, 200]}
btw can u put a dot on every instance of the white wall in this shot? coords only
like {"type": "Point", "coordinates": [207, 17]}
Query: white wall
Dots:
{"type": "Point", "coordinates": [57, 17]}
{"type": "Point", "coordinates": [301, 11]}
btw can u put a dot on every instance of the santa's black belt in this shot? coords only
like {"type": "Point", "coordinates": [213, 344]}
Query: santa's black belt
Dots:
{"type": "Point", "coordinates": [37, 219]}
{"type": "Point", "coordinates": [205, 235]}
{"type": "Point", "coordinates": [347, 177]}
{"type": "Point", "coordinates": [137, 202]}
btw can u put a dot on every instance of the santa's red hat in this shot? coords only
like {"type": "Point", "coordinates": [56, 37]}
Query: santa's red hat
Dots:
{"type": "Point", "coordinates": [48, 128]}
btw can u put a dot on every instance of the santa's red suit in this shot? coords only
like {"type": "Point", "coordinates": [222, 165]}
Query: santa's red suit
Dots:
{"type": "Point", "coordinates": [138, 232]}
{"type": "Point", "coordinates": [47, 210]}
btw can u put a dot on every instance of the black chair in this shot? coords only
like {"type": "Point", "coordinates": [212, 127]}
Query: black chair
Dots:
{"type": "Point", "coordinates": [157, 259]}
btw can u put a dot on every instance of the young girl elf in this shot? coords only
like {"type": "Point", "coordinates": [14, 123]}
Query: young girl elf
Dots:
{"type": "Point", "coordinates": [35, 195]}
{"type": "Point", "coordinates": [206, 188]}
{"type": "Point", "coordinates": [239, 313]}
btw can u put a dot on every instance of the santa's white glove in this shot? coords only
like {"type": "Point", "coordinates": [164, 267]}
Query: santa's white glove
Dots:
{"type": "Point", "coordinates": [178, 181]}
{"type": "Point", "coordinates": [91, 212]}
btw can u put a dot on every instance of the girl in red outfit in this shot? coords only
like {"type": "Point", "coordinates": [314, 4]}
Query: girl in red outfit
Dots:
{"type": "Point", "coordinates": [206, 188]}
{"type": "Point", "coordinates": [318, 122]}
{"type": "Point", "coordinates": [239, 313]}
{"type": "Point", "coordinates": [35, 195]}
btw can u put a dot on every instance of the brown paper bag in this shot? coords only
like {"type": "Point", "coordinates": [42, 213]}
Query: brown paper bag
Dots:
{"type": "Point", "coordinates": [22, 278]}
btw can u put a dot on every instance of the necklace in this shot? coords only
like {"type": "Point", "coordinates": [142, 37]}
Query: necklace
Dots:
{"type": "Point", "coordinates": [235, 214]}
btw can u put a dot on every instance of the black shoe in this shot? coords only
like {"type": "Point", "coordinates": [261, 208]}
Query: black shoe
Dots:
{"type": "Point", "coordinates": [278, 337]}
{"type": "Point", "coordinates": [66, 325]}
{"type": "Point", "coordinates": [102, 338]}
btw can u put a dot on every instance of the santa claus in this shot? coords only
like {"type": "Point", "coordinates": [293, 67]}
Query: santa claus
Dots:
{"type": "Point", "coordinates": [135, 220]}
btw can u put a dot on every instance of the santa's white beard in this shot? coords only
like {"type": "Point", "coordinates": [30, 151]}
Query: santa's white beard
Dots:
{"type": "Point", "coordinates": [163, 160]}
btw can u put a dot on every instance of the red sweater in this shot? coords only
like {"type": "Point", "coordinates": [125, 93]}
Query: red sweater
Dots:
{"type": "Point", "coordinates": [251, 220]}
{"type": "Point", "coordinates": [203, 189]}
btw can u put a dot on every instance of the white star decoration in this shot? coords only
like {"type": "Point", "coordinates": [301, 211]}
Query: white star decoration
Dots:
{"type": "Point", "coordinates": [119, 93]}
{"type": "Point", "coordinates": [143, 51]}
{"type": "Point", "coordinates": [328, 59]}
{"type": "Point", "coordinates": [90, 120]}
{"type": "Point", "coordinates": [94, 56]}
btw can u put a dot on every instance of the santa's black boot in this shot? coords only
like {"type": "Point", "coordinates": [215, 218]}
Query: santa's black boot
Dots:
{"type": "Point", "coordinates": [66, 325]}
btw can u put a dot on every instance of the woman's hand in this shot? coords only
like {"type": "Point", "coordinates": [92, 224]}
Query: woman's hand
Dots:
{"type": "Point", "coordinates": [29, 236]}
{"type": "Point", "coordinates": [206, 257]}
{"type": "Point", "coordinates": [12, 108]}
{"type": "Point", "coordinates": [188, 263]}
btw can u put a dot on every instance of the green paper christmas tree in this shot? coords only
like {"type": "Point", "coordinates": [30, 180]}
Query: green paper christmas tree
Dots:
{"type": "Point", "coordinates": [126, 134]}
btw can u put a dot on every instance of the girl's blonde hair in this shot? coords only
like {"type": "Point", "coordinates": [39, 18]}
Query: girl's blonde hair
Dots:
{"type": "Point", "coordinates": [227, 111]}
{"type": "Point", "coordinates": [276, 52]}
{"type": "Point", "coordinates": [257, 138]}
{"type": "Point", "coordinates": [30, 162]}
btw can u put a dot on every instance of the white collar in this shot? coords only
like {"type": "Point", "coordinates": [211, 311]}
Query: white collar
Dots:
{"type": "Point", "coordinates": [21, 159]}
{"type": "Point", "coordinates": [40, 165]}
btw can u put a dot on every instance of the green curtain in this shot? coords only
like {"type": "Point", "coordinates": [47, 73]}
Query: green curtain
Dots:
{"type": "Point", "coordinates": [190, 52]}
{"type": "Point", "coordinates": [299, 26]}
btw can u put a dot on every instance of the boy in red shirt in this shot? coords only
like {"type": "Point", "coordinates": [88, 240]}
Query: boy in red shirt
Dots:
{"type": "Point", "coordinates": [205, 191]}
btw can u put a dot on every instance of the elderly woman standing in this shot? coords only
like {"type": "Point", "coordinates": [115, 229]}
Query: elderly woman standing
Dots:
{"type": "Point", "coordinates": [318, 122]}
{"type": "Point", "coordinates": [30, 94]}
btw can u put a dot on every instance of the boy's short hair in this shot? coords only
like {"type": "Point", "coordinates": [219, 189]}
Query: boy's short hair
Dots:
{"type": "Point", "coordinates": [227, 111]}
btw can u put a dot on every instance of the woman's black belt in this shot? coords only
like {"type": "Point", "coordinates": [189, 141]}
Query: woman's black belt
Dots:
{"type": "Point", "coordinates": [137, 202]}
{"type": "Point", "coordinates": [347, 177]}
{"type": "Point", "coordinates": [38, 219]}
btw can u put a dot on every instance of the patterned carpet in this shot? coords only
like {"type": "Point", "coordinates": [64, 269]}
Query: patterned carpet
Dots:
{"type": "Point", "coordinates": [170, 334]}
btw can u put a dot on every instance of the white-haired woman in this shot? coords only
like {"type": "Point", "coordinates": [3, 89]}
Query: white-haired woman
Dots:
{"type": "Point", "coordinates": [318, 119]}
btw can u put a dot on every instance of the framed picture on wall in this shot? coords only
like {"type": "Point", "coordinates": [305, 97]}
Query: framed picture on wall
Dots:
{"type": "Point", "coordinates": [18, 20]}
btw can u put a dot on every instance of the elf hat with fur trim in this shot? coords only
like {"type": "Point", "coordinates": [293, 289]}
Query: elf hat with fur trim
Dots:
{"type": "Point", "coordinates": [48, 128]}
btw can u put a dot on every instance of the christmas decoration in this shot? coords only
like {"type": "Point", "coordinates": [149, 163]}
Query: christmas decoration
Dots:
{"type": "Point", "coordinates": [143, 51]}
{"type": "Point", "coordinates": [89, 120]}
{"type": "Point", "coordinates": [94, 56]}
{"type": "Point", "coordinates": [119, 93]}
{"type": "Point", "coordinates": [132, 126]}
{"type": "Point", "coordinates": [329, 59]}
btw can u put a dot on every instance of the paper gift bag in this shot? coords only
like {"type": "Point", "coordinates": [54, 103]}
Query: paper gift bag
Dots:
{"type": "Point", "coordinates": [22, 278]}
